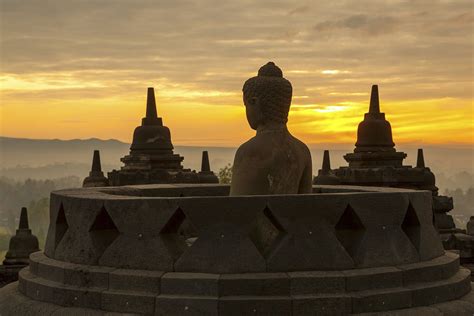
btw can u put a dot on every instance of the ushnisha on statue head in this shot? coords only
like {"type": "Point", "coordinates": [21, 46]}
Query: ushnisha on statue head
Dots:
{"type": "Point", "coordinates": [267, 97]}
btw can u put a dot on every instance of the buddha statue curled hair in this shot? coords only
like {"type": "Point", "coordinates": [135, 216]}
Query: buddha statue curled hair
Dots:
{"type": "Point", "coordinates": [273, 91]}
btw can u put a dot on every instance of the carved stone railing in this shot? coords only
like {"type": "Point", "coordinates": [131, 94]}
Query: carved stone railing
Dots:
{"type": "Point", "coordinates": [335, 228]}
{"type": "Point", "coordinates": [193, 250]}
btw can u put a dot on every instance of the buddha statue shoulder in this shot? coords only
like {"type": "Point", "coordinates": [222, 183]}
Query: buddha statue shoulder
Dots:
{"type": "Point", "coordinates": [273, 161]}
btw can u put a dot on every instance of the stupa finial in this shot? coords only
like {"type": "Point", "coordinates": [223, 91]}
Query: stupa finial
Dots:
{"type": "Point", "coordinates": [151, 104]}
{"type": "Point", "coordinates": [96, 166]}
{"type": "Point", "coordinates": [24, 219]}
{"type": "Point", "coordinates": [374, 100]}
{"type": "Point", "coordinates": [420, 159]}
{"type": "Point", "coordinates": [151, 117]}
{"type": "Point", "coordinates": [205, 167]}
{"type": "Point", "coordinates": [326, 162]}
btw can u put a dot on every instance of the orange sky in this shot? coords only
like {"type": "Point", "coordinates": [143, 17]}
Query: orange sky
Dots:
{"type": "Point", "coordinates": [83, 71]}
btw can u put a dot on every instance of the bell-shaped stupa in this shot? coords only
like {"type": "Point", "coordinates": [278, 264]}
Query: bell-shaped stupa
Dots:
{"type": "Point", "coordinates": [151, 158]}
{"type": "Point", "coordinates": [96, 177]}
{"type": "Point", "coordinates": [22, 244]}
{"type": "Point", "coordinates": [206, 175]}
{"type": "Point", "coordinates": [374, 146]}
{"type": "Point", "coordinates": [325, 174]}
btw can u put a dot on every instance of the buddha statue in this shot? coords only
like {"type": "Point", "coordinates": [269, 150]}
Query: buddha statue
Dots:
{"type": "Point", "coordinates": [273, 161]}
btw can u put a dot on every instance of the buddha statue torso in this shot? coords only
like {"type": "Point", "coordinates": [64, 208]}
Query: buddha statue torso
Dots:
{"type": "Point", "coordinates": [272, 162]}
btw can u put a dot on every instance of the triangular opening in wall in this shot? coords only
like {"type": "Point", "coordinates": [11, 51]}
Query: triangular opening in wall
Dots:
{"type": "Point", "coordinates": [61, 226]}
{"type": "Point", "coordinates": [350, 231]}
{"type": "Point", "coordinates": [411, 226]}
{"type": "Point", "coordinates": [266, 232]}
{"type": "Point", "coordinates": [103, 231]}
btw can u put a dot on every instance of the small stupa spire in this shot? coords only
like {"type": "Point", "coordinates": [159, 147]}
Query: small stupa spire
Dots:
{"type": "Point", "coordinates": [24, 219]}
{"type": "Point", "coordinates": [96, 162]}
{"type": "Point", "coordinates": [326, 162]}
{"type": "Point", "coordinates": [420, 159]}
{"type": "Point", "coordinates": [374, 100]}
{"type": "Point", "coordinates": [205, 167]}
{"type": "Point", "coordinates": [151, 104]}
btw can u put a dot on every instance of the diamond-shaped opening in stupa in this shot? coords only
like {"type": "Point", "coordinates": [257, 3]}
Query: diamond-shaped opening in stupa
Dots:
{"type": "Point", "coordinates": [350, 231]}
{"type": "Point", "coordinates": [266, 231]}
{"type": "Point", "coordinates": [61, 226]}
{"type": "Point", "coordinates": [103, 230]}
{"type": "Point", "coordinates": [411, 226]}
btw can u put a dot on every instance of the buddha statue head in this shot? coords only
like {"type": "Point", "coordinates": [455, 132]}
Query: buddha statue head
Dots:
{"type": "Point", "coordinates": [267, 97]}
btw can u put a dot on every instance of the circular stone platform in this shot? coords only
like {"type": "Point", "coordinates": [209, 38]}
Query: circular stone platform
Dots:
{"type": "Point", "coordinates": [340, 250]}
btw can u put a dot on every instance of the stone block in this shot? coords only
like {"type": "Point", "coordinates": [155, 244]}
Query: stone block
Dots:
{"type": "Point", "coordinates": [128, 302]}
{"type": "Point", "coordinates": [441, 291]}
{"type": "Point", "coordinates": [183, 283]}
{"type": "Point", "coordinates": [135, 280]}
{"type": "Point", "coordinates": [223, 236]}
{"type": "Point", "coordinates": [314, 282]}
{"type": "Point", "coordinates": [40, 290]}
{"type": "Point", "coordinates": [257, 305]}
{"type": "Point", "coordinates": [306, 220]}
{"type": "Point", "coordinates": [427, 271]}
{"type": "Point", "coordinates": [170, 305]}
{"type": "Point", "coordinates": [78, 297]}
{"type": "Point", "coordinates": [258, 284]}
{"type": "Point", "coordinates": [52, 270]}
{"type": "Point", "coordinates": [143, 253]}
{"type": "Point", "coordinates": [381, 300]}
{"type": "Point", "coordinates": [87, 276]}
{"type": "Point", "coordinates": [373, 278]}
{"type": "Point", "coordinates": [324, 304]}
{"type": "Point", "coordinates": [35, 259]}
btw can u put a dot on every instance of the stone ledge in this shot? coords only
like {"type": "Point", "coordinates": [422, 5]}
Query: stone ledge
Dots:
{"type": "Point", "coordinates": [373, 300]}
{"type": "Point", "coordinates": [12, 302]}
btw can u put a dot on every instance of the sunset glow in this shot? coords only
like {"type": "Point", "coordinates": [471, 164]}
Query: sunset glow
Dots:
{"type": "Point", "coordinates": [62, 81]}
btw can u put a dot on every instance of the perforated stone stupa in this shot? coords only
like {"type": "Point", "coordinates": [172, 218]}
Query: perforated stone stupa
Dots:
{"type": "Point", "coordinates": [21, 245]}
{"type": "Point", "coordinates": [375, 162]}
{"type": "Point", "coordinates": [151, 158]}
{"type": "Point", "coordinates": [96, 177]}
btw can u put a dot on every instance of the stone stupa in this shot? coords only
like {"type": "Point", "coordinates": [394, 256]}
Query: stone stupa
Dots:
{"type": "Point", "coordinates": [151, 158]}
{"type": "Point", "coordinates": [96, 177]}
{"type": "Point", "coordinates": [375, 162]}
{"type": "Point", "coordinates": [22, 244]}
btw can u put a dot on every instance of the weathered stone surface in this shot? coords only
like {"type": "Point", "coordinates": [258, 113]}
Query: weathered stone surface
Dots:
{"type": "Point", "coordinates": [189, 305]}
{"type": "Point", "coordinates": [309, 234]}
{"type": "Point", "coordinates": [372, 278]}
{"type": "Point", "coordinates": [315, 282]}
{"type": "Point", "coordinates": [128, 302]}
{"type": "Point", "coordinates": [87, 276]}
{"type": "Point", "coordinates": [381, 300]}
{"type": "Point", "coordinates": [189, 284]}
{"type": "Point", "coordinates": [440, 291]}
{"type": "Point", "coordinates": [254, 284]}
{"type": "Point", "coordinates": [439, 268]}
{"type": "Point", "coordinates": [255, 305]}
{"type": "Point", "coordinates": [135, 280]}
{"type": "Point", "coordinates": [222, 236]}
{"type": "Point", "coordinates": [328, 304]}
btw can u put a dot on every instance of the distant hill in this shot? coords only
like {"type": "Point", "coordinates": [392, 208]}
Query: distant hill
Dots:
{"type": "Point", "coordinates": [22, 158]}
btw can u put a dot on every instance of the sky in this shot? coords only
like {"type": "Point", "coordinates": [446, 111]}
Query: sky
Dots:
{"type": "Point", "coordinates": [80, 68]}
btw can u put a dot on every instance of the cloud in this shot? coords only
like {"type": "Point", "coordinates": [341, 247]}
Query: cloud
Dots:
{"type": "Point", "coordinates": [203, 51]}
